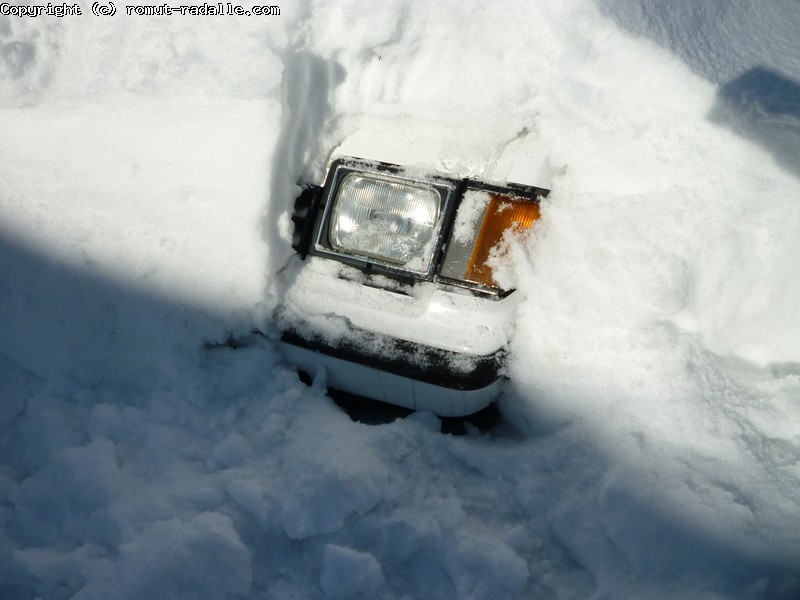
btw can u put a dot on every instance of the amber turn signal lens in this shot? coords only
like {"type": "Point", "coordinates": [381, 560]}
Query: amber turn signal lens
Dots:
{"type": "Point", "coordinates": [502, 214]}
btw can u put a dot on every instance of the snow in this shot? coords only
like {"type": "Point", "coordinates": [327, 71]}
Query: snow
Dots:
{"type": "Point", "coordinates": [471, 209]}
{"type": "Point", "coordinates": [347, 572]}
{"type": "Point", "coordinates": [651, 439]}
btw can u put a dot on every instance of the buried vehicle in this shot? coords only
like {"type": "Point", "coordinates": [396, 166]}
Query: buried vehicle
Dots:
{"type": "Point", "coordinates": [392, 291]}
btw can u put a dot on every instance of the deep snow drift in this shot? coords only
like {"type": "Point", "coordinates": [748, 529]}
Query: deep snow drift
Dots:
{"type": "Point", "coordinates": [651, 444]}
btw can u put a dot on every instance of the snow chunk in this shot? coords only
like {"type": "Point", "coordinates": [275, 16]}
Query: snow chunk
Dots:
{"type": "Point", "coordinates": [250, 496]}
{"type": "Point", "coordinates": [231, 451]}
{"type": "Point", "coordinates": [348, 572]}
{"type": "Point", "coordinates": [329, 475]}
{"type": "Point", "coordinates": [320, 502]}
{"type": "Point", "coordinates": [202, 559]}
{"type": "Point", "coordinates": [87, 477]}
{"type": "Point", "coordinates": [57, 574]}
{"type": "Point", "coordinates": [483, 567]}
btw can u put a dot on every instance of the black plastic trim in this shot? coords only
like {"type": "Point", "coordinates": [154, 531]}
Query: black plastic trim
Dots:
{"type": "Point", "coordinates": [407, 359]}
{"type": "Point", "coordinates": [306, 207]}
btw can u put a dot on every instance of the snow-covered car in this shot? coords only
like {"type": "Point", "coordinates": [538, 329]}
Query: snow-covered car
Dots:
{"type": "Point", "coordinates": [395, 295]}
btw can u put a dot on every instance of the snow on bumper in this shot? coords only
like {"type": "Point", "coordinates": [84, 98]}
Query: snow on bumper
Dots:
{"type": "Point", "coordinates": [424, 348]}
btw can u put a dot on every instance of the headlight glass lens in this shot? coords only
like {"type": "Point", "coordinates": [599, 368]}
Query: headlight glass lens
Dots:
{"type": "Point", "coordinates": [386, 219]}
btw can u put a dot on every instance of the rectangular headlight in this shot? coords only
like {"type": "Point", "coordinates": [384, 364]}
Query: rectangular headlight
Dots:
{"type": "Point", "coordinates": [391, 220]}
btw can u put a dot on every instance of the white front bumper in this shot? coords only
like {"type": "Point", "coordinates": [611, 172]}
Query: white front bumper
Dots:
{"type": "Point", "coordinates": [362, 336]}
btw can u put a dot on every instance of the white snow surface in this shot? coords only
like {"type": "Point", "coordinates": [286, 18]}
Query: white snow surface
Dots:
{"type": "Point", "coordinates": [651, 439]}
